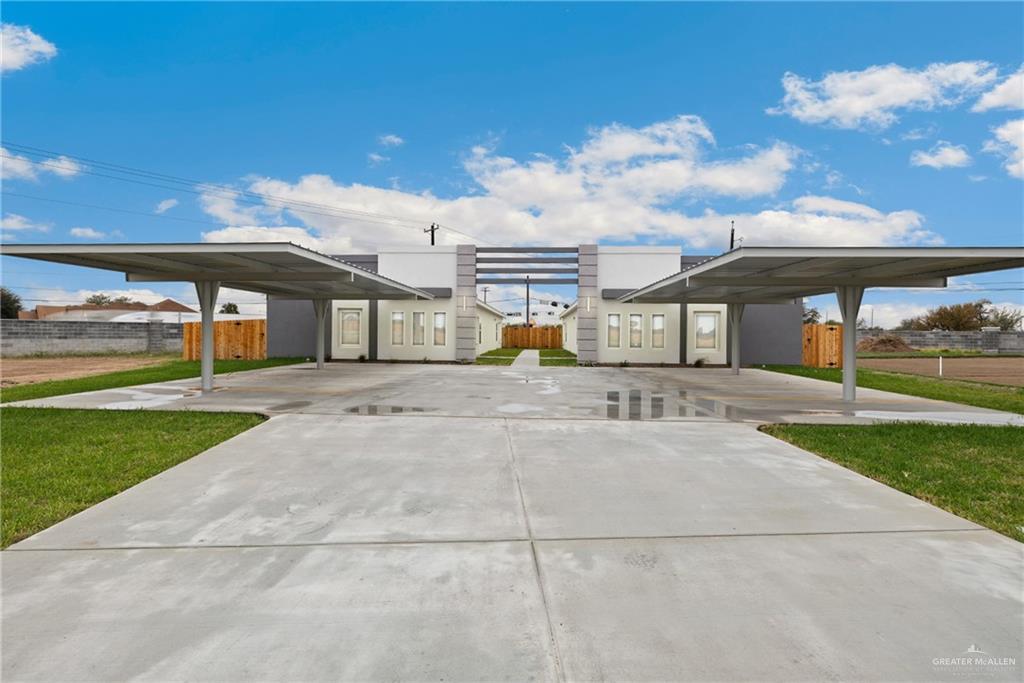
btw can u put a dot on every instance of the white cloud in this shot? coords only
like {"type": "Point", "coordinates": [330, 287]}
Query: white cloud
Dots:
{"type": "Point", "coordinates": [872, 97]}
{"type": "Point", "coordinates": [942, 155]}
{"type": "Point", "coordinates": [919, 133]}
{"type": "Point", "coordinates": [21, 47]}
{"type": "Point", "coordinates": [86, 233]}
{"type": "Point", "coordinates": [622, 183]}
{"type": "Point", "coordinates": [977, 178]}
{"type": "Point", "coordinates": [12, 225]}
{"type": "Point", "coordinates": [16, 167]}
{"type": "Point", "coordinates": [223, 205]}
{"type": "Point", "coordinates": [390, 140]}
{"type": "Point", "coordinates": [375, 159]}
{"type": "Point", "coordinates": [1007, 95]}
{"type": "Point", "coordinates": [165, 205]}
{"type": "Point", "coordinates": [1009, 142]}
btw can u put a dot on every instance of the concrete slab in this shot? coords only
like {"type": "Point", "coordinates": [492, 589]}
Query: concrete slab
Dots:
{"type": "Point", "coordinates": [613, 479]}
{"type": "Point", "coordinates": [857, 607]}
{"type": "Point", "coordinates": [307, 479]}
{"type": "Point", "coordinates": [452, 612]}
{"type": "Point", "coordinates": [628, 394]}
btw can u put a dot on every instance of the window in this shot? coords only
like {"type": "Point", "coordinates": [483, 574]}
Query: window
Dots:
{"type": "Point", "coordinates": [636, 330]}
{"type": "Point", "coordinates": [479, 333]}
{"type": "Point", "coordinates": [614, 333]}
{"type": "Point", "coordinates": [350, 326]}
{"type": "Point", "coordinates": [658, 331]}
{"type": "Point", "coordinates": [706, 325]}
{"type": "Point", "coordinates": [497, 331]}
{"type": "Point", "coordinates": [419, 331]}
{"type": "Point", "coordinates": [397, 328]}
{"type": "Point", "coordinates": [440, 329]}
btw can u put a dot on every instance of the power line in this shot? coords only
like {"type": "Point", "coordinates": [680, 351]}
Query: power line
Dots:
{"type": "Point", "coordinates": [111, 208]}
{"type": "Point", "coordinates": [247, 196]}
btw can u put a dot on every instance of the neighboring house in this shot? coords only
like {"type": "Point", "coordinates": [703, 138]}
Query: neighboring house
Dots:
{"type": "Point", "coordinates": [415, 330]}
{"type": "Point", "coordinates": [167, 310]}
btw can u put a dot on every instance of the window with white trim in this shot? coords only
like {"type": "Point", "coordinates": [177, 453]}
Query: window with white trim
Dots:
{"type": "Point", "coordinates": [350, 323]}
{"type": "Point", "coordinates": [440, 329]}
{"type": "Point", "coordinates": [636, 330]}
{"type": "Point", "coordinates": [706, 326]}
{"type": "Point", "coordinates": [419, 331]}
{"type": "Point", "coordinates": [397, 328]}
{"type": "Point", "coordinates": [614, 330]}
{"type": "Point", "coordinates": [657, 330]}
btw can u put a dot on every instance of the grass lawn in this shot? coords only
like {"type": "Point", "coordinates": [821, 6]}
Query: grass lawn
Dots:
{"type": "Point", "coordinates": [58, 462]}
{"type": "Point", "coordinates": [164, 372]}
{"type": "Point", "coordinates": [503, 356]}
{"type": "Point", "coordinates": [996, 397]}
{"type": "Point", "coordinates": [974, 471]}
{"type": "Point", "coordinates": [557, 357]}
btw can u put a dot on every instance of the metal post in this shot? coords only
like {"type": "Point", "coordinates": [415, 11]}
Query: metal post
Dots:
{"type": "Point", "coordinates": [734, 313]}
{"type": "Point", "coordinates": [527, 300]}
{"type": "Point", "coordinates": [320, 310]}
{"type": "Point", "coordinates": [849, 307]}
{"type": "Point", "coordinates": [207, 293]}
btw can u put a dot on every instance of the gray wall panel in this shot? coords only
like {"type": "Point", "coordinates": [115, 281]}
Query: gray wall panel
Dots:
{"type": "Point", "coordinates": [291, 328]}
{"type": "Point", "coordinates": [771, 333]}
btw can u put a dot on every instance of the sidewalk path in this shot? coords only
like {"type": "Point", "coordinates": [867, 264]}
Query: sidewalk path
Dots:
{"type": "Point", "coordinates": [528, 358]}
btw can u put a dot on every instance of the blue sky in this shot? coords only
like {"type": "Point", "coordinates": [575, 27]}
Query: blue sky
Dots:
{"type": "Point", "coordinates": [517, 123]}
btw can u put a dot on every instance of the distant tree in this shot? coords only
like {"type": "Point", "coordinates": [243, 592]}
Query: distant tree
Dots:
{"type": "Point", "coordinates": [99, 299]}
{"type": "Point", "coordinates": [954, 317]}
{"type": "Point", "coordinates": [123, 300]}
{"type": "Point", "coordinates": [229, 308]}
{"type": "Point", "coordinates": [1005, 319]}
{"type": "Point", "coordinates": [10, 303]}
{"type": "Point", "coordinates": [812, 316]}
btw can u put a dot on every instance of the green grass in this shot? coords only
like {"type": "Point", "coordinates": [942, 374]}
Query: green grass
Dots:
{"type": "Point", "coordinates": [58, 462]}
{"type": "Point", "coordinates": [163, 372]}
{"type": "Point", "coordinates": [503, 356]}
{"type": "Point", "coordinates": [994, 396]}
{"type": "Point", "coordinates": [557, 358]}
{"type": "Point", "coordinates": [974, 471]}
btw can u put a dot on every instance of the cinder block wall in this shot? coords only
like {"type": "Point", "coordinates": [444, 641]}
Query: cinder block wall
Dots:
{"type": "Point", "coordinates": [986, 342]}
{"type": "Point", "coordinates": [31, 337]}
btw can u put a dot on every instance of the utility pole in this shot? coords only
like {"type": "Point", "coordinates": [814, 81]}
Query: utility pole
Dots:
{"type": "Point", "coordinates": [432, 229]}
{"type": "Point", "coordinates": [485, 293]}
{"type": "Point", "coordinates": [732, 235]}
{"type": "Point", "coordinates": [527, 301]}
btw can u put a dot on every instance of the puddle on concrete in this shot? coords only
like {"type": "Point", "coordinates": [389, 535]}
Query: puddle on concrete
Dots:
{"type": "Point", "coordinates": [639, 404]}
{"type": "Point", "coordinates": [294, 405]}
{"type": "Point", "coordinates": [381, 409]}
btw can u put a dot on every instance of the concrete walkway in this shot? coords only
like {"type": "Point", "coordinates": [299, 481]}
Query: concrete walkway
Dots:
{"type": "Point", "coordinates": [370, 545]}
{"type": "Point", "coordinates": [527, 358]}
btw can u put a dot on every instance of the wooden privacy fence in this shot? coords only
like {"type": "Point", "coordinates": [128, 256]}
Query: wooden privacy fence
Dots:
{"type": "Point", "coordinates": [232, 339]}
{"type": "Point", "coordinates": [522, 337]}
{"type": "Point", "coordinates": [823, 346]}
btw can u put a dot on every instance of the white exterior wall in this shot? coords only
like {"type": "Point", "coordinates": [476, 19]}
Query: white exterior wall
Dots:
{"type": "Point", "coordinates": [418, 267]}
{"type": "Point", "coordinates": [489, 327]}
{"type": "Point", "coordinates": [569, 327]}
{"type": "Point", "coordinates": [630, 268]}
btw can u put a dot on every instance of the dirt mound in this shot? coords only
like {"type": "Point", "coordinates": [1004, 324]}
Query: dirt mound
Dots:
{"type": "Point", "coordinates": [886, 344]}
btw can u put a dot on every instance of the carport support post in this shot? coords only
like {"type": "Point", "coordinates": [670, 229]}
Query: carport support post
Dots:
{"type": "Point", "coordinates": [320, 310]}
{"type": "Point", "coordinates": [849, 307]}
{"type": "Point", "coordinates": [207, 292]}
{"type": "Point", "coordinates": [734, 312]}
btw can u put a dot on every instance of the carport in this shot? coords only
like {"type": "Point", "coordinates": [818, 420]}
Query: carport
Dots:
{"type": "Point", "coordinates": [756, 275]}
{"type": "Point", "coordinates": [281, 270]}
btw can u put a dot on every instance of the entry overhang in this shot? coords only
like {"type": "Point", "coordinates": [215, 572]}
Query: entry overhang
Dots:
{"type": "Point", "coordinates": [281, 270]}
{"type": "Point", "coordinates": [786, 274]}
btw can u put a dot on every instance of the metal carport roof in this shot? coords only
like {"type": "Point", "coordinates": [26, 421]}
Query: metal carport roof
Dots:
{"type": "Point", "coordinates": [278, 269]}
{"type": "Point", "coordinates": [751, 275]}
{"type": "Point", "coordinates": [281, 270]}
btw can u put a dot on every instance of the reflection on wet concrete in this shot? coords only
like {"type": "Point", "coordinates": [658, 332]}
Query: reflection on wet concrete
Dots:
{"type": "Point", "coordinates": [294, 405]}
{"type": "Point", "coordinates": [381, 409]}
{"type": "Point", "coordinates": [639, 404]}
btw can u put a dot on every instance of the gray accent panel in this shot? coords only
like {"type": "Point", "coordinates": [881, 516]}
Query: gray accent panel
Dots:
{"type": "Point", "coordinates": [586, 326]}
{"type": "Point", "coordinates": [772, 333]}
{"type": "Point", "coordinates": [522, 250]}
{"type": "Point", "coordinates": [465, 292]}
{"type": "Point", "coordinates": [439, 292]}
{"type": "Point", "coordinates": [372, 331]}
{"type": "Point", "coordinates": [614, 293]}
{"type": "Point", "coordinates": [684, 320]}
{"type": "Point", "coordinates": [291, 328]}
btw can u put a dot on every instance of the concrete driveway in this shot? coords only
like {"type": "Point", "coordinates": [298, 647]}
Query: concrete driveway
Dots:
{"type": "Point", "coordinates": [366, 545]}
